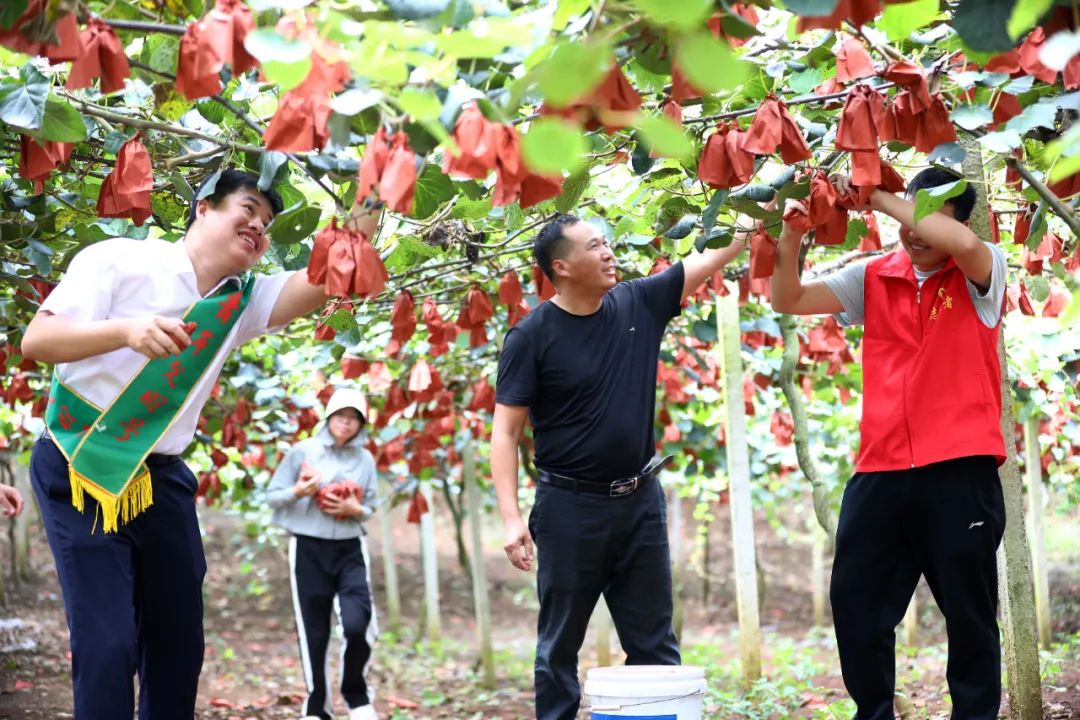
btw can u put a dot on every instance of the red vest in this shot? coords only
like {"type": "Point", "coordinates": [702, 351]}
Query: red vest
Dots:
{"type": "Point", "coordinates": [931, 377]}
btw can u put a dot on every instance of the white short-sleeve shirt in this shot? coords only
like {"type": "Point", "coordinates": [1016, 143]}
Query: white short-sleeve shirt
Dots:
{"type": "Point", "coordinates": [123, 278]}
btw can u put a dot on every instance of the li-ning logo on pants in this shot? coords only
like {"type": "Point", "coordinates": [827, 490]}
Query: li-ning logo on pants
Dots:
{"type": "Point", "coordinates": [976, 524]}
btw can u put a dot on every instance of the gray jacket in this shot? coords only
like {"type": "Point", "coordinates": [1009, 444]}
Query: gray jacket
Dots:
{"type": "Point", "coordinates": [301, 516]}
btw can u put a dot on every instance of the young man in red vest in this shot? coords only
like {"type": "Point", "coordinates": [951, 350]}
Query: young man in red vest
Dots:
{"type": "Point", "coordinates": [925, 498]}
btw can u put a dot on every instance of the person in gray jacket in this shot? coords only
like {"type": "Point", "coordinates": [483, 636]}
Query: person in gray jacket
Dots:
{"type": "Point", "coordinates": [322, 492]}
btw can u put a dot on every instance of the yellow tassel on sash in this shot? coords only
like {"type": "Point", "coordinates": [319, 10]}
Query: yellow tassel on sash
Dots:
{"type": "Point", "coordinates": [115, 509]}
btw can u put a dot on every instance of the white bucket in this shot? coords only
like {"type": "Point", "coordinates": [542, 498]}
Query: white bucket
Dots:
{"type": "Point", "coordinates": [646, 692]}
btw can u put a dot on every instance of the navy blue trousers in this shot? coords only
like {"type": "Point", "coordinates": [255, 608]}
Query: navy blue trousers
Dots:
{"type": "Point", "coordinates": [590, 544]}
{"type": "Point", "coordinates": [133, 598]}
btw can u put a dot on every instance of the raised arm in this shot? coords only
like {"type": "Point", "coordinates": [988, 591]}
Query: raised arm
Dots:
{"type": "Point", "coordinates": [699, 267]}
{"type": "Point", "coordinates": [941, 232]}
{"type": "Point", "coordinates": [506, 431]}
{"type": "Point", "coordinates": [788, 292]}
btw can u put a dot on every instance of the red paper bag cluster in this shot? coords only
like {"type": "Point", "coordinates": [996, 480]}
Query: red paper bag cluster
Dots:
{"type": "Point", "coordinates": [418, 507]}
{"type": "Point", "coordinates": [857, 12]}
{"type": "Point", "coordinates": [477, 145]}
{"type": "Point", "coordinates": [544, 289]}
{"type": "Point", "coordinates": [725, 162]}
{"type": "Point", "coordinates": [36, 161]}
{"type": "Point", "coordinates": [762, 253]}
{"type": "Point", "coordinates": [20, 37]}
{"type": "Point", "coordinates": [340, 490]}
{"type": "Point", "coordinates": [871, 241]}
{"type": "Point", "coordinates": [126, 191]}
{"type": "Point", "coordinates": [484, 146]}
{"type": "Point", "coordinates": [514, 179]}
{"type": "Point", "coordinates": [825, 214]}
{"type": "Point", "coordinates": [852, 61]}
{"type": "Point", "coordinates": [103, 56]}
{"type": "Point", "coordinates": [403, 322]}
{"type": "Point", "coordinates": [920, 120]}
{"type": "Point", "coordinates": [301, 122]}
{"type": "Point", "coordinates": [212, 43]}
{"type": "Point", "coordinates": [353, 367]}
{"type": "Point", "coordinates": [611, 105]}
{"type": "Point", "coordinates": [773, 128]}
{"type": "Point", "coordinates": [345, 262]}
{"type": "Point", "coordinates": [388, 171]}
{"type": "Point", "coordinates": [513, 297]}
{"type": "Point", "coordinates": [476, 311]}
{"type": "Point", "coordinates": [440, 332]}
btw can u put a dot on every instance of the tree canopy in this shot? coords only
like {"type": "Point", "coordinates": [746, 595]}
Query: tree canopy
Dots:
{"type": "Point", "coordinates": [671, 125]}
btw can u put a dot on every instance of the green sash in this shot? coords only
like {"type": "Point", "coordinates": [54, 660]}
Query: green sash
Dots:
{"type": "Point", "coordinates": [106, 448]}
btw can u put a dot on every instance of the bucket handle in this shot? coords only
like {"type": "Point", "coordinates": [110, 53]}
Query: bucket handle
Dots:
{"type": "Point", "coordinates": [607, 708]}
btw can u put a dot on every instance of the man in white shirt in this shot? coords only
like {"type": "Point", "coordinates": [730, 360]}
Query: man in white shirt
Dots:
{"type": "Point", "coordinates": [125, 328]}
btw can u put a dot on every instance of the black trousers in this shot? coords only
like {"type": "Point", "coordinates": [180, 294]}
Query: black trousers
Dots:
{"type": "Point", "coordinates": [325, 574]}
{"type": "Point", "coordinates": [133, 598]}
{"type": "Point", "coordinates": [943, 521]}
{"type": "Point", "coordinates": [587, 545]}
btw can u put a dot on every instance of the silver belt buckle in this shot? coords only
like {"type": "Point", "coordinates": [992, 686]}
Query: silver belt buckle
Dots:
{"type": "Point", "coordinates": [623, 487]}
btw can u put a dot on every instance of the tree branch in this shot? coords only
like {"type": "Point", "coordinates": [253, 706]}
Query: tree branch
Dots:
{"type": "Point", "coordinates": [100, 112]}
{"type": "Point", "coordinates": [139, 26]}
{"type": "Point", "coordinates": [1060, 209]}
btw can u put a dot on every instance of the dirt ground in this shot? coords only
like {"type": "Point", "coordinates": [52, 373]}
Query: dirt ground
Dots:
{"type": "Point", "coordinates": [252, 671]}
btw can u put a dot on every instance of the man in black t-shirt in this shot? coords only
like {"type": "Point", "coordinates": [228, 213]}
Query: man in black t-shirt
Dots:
{"type": "Point", "coordinates": [582, 369]}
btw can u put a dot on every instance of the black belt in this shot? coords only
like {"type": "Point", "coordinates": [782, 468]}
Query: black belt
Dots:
{"type": "Point", "coordinates": [618, 488]}
{"type": "Point", "coordinates": [152, 460]}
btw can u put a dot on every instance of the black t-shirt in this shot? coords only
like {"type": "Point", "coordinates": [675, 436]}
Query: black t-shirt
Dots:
{"type": "Point", "coordinates": [589, 381]}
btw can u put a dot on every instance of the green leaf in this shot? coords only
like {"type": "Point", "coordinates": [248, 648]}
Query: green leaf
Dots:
{"type": "Point", "coordinates": [574, 187]}
{"type": "Point", "coordinates": [708, 216]}
{"type": "Point", "coordinates": [420, 104]}
{"type": "Point", "coordinates": [11, 11]}
{"type": "Point", "coordinates": [294, 224]}
{"type": "Point", "coordinates": [209, 186]}
{"type": "Point", "coordinates": [811, 8]}
{"type": "Point", "coordinates": [664, 137]}
{"type": "Point", "coordinates": [1034, 115]}
{"type": "Point", "coordinates": [552, 145]}
{"type": "Point", "coordinates": [901, 19]}
{"type": "Point", "coordinates": [1067, 166]}
{"type": "Point", "coordinates": [416, 9]}
{"type": "Point", "coordinates": [1004, 141]}
{"type": "Point", "coordinates": [567, 10]}
{"type": "Point", "coordinates": [573, 71]}
{"type": "Point", "coordinates": [432, 190]}
{"type": "Point", "coordinates": [182, 186]}
{"type": "Point", "coordinates": [705, 331]}
{"type": "Point", "coordinates": [1024, 16]}
{"type": "Point", "coordinates": [971, 117]}
{"type": "Point", "coordinates": [1060, 49]}
{"type": "Point", "coordinates": [61, 122]}
{"type": "Point", "coordinates": [354, 101]}
{"type": "Point", "coordinates": [285, 62]}
{"type": "Point", "coordinates": [681, 15]}
{"type": "Point", "coordinates": [805, 81]}
{"type": "Point", "coordinates": [269, 165]}
{"type": "Point", "coordinates": [930, 200]}
{"type": "Point", "coordinates": [211, 109]}
{"type": "Point", "coordinates": [981, 24]}
{"type": "Point", "coordinates": [709, 64]}
{"type": "Point", "coordinates": [1039, 287]}
{"type": "Point", "coordinates": [160, 52]}
{"type": "Point", "coordinates": [342, 320]}
{"type": "Point", "coordinates": [23, 104]}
